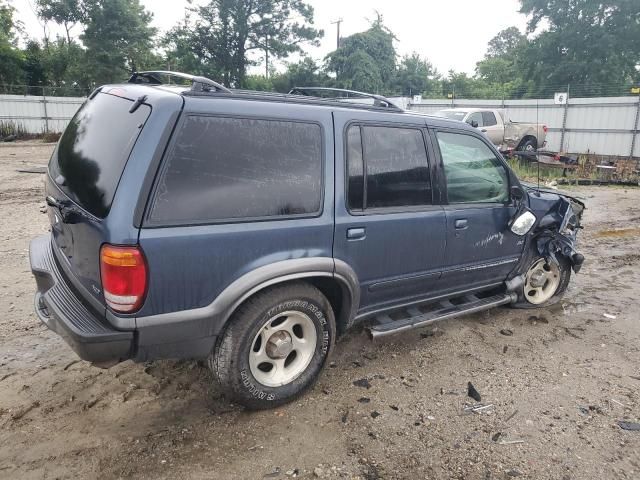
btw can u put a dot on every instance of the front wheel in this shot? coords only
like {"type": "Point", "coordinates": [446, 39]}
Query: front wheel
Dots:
{"type": "Point", "coordinates": [275, 346]}
{"type": "Point", "coordinates": [545, 283]}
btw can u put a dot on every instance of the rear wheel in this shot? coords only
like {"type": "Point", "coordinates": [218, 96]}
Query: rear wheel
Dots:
{"type": "Point", "coordinates": [545, 283]}
{"type": "Point", "coordinates": [275, 346]}
{"type": "Point", "coordinates": [529, 145]}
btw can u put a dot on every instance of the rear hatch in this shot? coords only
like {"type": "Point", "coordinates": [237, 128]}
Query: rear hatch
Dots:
{"type": "Point", "coordinates": [84, 172]}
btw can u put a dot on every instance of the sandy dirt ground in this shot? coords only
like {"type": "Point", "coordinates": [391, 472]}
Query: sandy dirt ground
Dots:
{"type": "Point", "coordinates": [559, 381]}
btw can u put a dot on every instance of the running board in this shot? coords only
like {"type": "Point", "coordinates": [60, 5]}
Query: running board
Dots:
{"type": "Point", "coordinates": [416, 317]}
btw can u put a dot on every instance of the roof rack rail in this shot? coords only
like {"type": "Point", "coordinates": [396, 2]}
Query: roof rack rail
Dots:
{"type": "Point", "coordinates": [198, 84]}
{"type": "Point", "coordinates": [379, 100]}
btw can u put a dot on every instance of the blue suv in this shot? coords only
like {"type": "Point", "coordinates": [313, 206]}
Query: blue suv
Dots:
{"type": "Point", "coordinates": [251, 229]}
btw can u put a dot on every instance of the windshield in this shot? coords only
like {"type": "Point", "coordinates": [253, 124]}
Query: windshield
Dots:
{"type": "Point", "coordinates": [94, 149]}
{"type": "Point", "coordinates": [452, 114]}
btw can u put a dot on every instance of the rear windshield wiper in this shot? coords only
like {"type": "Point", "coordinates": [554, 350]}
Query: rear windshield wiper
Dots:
{"type": "Point", "coordinates": [68, 211]}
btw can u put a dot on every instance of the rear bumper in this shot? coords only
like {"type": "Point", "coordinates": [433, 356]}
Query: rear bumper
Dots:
{"type": "Point", "coordinates": [60, 309]}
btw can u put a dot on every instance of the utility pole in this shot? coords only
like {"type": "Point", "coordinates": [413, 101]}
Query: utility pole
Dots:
{"type": "Point", "coordinates": [337, 23]}
{"type": "Point", "coordinates": [266, 55]}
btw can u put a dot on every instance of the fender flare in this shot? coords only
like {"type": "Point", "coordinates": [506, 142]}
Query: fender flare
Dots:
{"type": "Point", "coordinates": [216, 314]}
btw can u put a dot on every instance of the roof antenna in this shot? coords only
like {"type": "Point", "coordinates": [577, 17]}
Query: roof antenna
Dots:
{"type": "Point", "coordinates": [537, 134]}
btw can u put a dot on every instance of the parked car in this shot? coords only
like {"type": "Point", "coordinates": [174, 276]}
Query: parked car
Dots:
{"type": "Point", "coordinates": [506, 135]}
{"type": "Point", "coordinates": [251, 229]}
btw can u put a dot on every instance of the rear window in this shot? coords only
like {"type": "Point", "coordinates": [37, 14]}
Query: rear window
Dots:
{"type": "Point", "coordinates": [224, 169]}
{"type": "Point", "coordinates": [94, 149]}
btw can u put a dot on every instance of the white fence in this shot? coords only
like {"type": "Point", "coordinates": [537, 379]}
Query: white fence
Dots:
{"type": "Point", "coordinates": [605, 126]}
{"type": "Point", "coordinates": [34, 114]}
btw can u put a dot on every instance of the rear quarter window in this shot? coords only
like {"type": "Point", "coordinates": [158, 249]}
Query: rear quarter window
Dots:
{"type": "Point", "coordinates": [229, 169]}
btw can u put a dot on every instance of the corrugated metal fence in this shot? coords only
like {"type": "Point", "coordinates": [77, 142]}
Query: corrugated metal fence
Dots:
{"type": "Point", "coordinates": [36, 114]}
{"type": "Point", "coordinates": [605, 126]}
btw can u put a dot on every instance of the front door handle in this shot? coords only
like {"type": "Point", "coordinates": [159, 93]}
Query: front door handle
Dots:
{"type": "Point", "coordinates": [484, 130]}
{"type": "Point", "coordinates": [356, 234]}
{"type": "Point", "coordinates": [461, 224]}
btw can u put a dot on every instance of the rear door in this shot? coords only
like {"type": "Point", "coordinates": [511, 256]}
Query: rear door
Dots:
{"type": "Point", "coordinates": [481, 249]}
{"type": "Point", "coordinates": [84, 172]}
{"type": "Point", "coordinates": [491, 127]}
{"type": "Point", "coordinates": [388, 225]}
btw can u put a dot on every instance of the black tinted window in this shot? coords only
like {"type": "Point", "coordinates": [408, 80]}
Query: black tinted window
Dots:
{"type": "Point", "coordinates": [94, 149]}
{"type": "Point", "coordinates": [355, 168]}
{"type": "Point", "coordinates": [489, 119]}
{"type": "Point", "coordinates": [231, 168]}
{"type": "Point", "coordinates": [396, 167]}
{"type": "Point", "coordinates": [475, 119]}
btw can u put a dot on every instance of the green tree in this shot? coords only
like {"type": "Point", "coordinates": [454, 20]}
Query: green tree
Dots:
{"type": "Point", "coordinates": [11, 58]}
{"type": "Point", "coordinates": [228, 32]}
{"type": "Point", "coordinates": [67, 13]}
{"type": "Point", "coordinates": [591, 44]}
{"type": "Point", "coordinates": [502, 68]}
{"type": "Point", "coordinates": [305, 73]}
{"type": "Point", "coordinates": [118, 38]}
{"type": "Point", "coordinates": [365, 61]}
{"type": "Point", "coordinates": [416, 76]}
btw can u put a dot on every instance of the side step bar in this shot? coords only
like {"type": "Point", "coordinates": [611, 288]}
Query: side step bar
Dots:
{"type": "Point", "coordinates": [414, 317]}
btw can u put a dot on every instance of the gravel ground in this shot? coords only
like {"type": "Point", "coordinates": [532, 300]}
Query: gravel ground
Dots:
{"type": "Point", "coordinates": [558, 380]}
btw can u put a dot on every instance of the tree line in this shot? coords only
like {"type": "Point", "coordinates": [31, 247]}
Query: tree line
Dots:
{"type": "Point", "coordinates": [592, 45]}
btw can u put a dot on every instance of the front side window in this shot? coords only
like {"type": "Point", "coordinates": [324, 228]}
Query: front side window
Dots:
{"type": "Point", "coordinates": [237, 168]}
{"type": "Point", "coordinates": [473, 172]}
{"type": "Point", "coordinates": [387, 167]}
{"type": "Point", "coordinates": [475, 119]}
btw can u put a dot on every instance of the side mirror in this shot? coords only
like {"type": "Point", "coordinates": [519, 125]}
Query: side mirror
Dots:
{"type": "Point", "coordinates": [473, 123]}
{"type": "Point", "coordinates": [517, 194]}
{"type": "Point", "coordinates": [523, 223]}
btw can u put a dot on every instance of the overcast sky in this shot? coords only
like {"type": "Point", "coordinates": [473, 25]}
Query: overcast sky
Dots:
{"type": "Point", "coordinates": [451, 34]}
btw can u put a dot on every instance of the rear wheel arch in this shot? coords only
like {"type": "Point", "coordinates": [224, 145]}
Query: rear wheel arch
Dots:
{"type": "Point", "coordinates": [527, 139]}
{"type": "Point", "coordinates": [340, 289]}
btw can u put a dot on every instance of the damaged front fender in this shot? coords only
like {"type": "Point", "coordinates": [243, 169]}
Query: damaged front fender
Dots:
{"type": "Point", "coordinates": [555, 235]}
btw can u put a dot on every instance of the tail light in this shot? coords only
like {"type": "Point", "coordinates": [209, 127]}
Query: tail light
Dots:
{"type": "Point", "coordinates": [124, 277]}
{"type": "Point", "coordinates": [545, 128]}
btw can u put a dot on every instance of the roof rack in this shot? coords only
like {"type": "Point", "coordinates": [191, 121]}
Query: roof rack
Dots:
{"type": "Point", "coordinates": [379, 100]}
{"type": "Point", "coordinates": [198, 84]}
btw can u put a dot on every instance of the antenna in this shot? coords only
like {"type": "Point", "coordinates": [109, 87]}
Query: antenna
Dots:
{"type": "Point", "coordinates": [537, 135]}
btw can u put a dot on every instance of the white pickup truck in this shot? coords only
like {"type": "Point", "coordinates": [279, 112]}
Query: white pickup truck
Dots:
{"type": "Point", "coordinates": [504, 135]}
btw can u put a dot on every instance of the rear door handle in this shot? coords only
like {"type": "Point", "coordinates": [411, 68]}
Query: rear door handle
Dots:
{"type": "Point", "coordinates": [461, 224]}
{"type": "Point", "coordinates": [356, 234]}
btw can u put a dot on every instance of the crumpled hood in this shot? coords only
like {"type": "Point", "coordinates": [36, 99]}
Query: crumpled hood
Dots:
{"type": "Point", "coordinates": [531, 187]}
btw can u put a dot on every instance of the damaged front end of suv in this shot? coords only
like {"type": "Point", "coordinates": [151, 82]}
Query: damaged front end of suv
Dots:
{"type": "Point", "coordinates": [558, 222]}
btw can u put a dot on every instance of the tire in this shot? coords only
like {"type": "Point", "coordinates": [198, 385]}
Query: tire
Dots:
{"type": "Point", "coordinates": [241, 359]}
{"type": "Point", "coordinates": [530, 145]}
{"type": "Point", "coordinates": [526, 300]}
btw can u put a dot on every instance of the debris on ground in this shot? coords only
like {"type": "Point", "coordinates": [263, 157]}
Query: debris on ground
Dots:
{"type": "Point", "coordinates": [477, 408]}
{"type": "Point", "coordinates": [473, 393]}
{"type": "Point", "coordinates": [510, 442]}
{"type": "Point", "coordinates": [274, 474]}
{"type": "Point", "coordinates": [506, 332]}
{"type": "Point", "coordinates": [631, 426]}
{"type": "Point", "coordinates": [609, 316]}
{"type": "Point", "coordinates": [363, 382]}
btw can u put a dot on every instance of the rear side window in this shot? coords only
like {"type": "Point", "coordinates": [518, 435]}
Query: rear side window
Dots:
{"type": "Point", "coordinates": [489, 119]}
{"type": "Point", "coordinates": [239, 168]}
{"type": "Point", "coordinates": [395, 170]}
{"type": "Point", "coordinates": [93, 151]}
